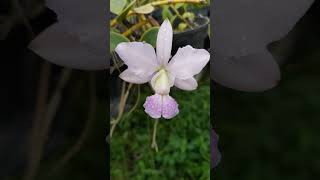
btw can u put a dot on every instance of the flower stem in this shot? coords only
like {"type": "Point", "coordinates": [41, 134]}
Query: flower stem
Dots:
{"type": "Point", "coordinates": [154, 141]}
{"type": "Point", "coordinates": [88, 125]}
{"type": "Point", "coordinates": [122, 105]}
{"type": "Point", "coordinates": [36, 139]}
{"type": "Point", "coordinates": [136, 103]}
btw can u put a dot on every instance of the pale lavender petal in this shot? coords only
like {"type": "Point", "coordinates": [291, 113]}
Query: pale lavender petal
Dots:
{"type": "Point", "coordinates": [85, 20]}
{"type": "Point", "coordinates": [65, 48]}
{"type": "Point", "coordinates": [164, 42]}
{"type": "Point", "coordinates": [138, 56]}
{"type": "Point", "coordinates": [153, 106]}
{"type": "Point", "coordinates": [169, 107]}
{"type": "Point", "coordinates": [188, 62]}
{"type": "Point", "coordinates": [132, 76]}
{"type": "Point", "coordinates": [186, 84]}
{"type": "Point", "coordinates": [250, 73]}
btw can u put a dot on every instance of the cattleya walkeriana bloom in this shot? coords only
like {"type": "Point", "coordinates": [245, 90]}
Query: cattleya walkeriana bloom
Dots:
{"type": "Point", "coordinates": [144, 65]}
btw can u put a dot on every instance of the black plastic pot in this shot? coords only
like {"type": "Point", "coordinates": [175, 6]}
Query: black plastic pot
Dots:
{"type": "Point", "coordinates": [194, 37]}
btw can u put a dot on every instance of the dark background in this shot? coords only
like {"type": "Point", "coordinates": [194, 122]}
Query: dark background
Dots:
{"type": "Point", "coordinates": [76, 133]}
{"type": "Point", "coordinates": [275, 134]}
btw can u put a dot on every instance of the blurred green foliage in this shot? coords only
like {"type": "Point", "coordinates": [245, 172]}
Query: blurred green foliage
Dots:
{"type": "Point", "coordinates": [184, 142]}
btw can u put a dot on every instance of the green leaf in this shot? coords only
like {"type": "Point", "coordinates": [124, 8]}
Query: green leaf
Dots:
{"type": "Point", "coordinates": [114, 30]}
{"type": "Point", "coordinates": [116, 6]}
{"type": "Point", "coordinates": [166, 13]}
{"type": "Point", "coordinates": [123, 14]}
{"type": "Point", "coordinates": [150, 36]}
{"type": "Point", "coordinates": [173, 18]}
{"type": "Point", "coordinates": [115, 39]}
{"type": "Point", "coordinates": [178, 5]}
{"type": "Point", "coordinates": [145, 9]}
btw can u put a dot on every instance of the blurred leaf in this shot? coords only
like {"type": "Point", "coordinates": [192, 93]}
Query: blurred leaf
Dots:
{"type": "Point", "coordinates": [145, 9]}
{"type": "Point", "coordinates": [178, 5]}
{"type": "Point", "coordinates": [189, 15]}
{"type": "Point", "coordinates": [114, 30]}
{"type": "Point", "coordinates": [182, 26]}
{"type": "Point", "coordinates": [115, 39]}
{"type": "Point", "coordinates": [166, 13]}
{"type": "Point", "coordinates": [123, 14]}
{"type": "Point", "coordinates": [150, 36]}
{"type": "Point", "coordinates": [116, 6]}
{"type": "Point", "coordinates": [173, 18]}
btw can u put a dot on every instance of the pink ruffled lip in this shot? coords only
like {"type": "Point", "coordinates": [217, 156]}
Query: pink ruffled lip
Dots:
{"type": "Point", "coordinates": [157, 106]}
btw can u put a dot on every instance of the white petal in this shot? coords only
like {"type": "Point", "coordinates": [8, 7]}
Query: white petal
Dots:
{"type": "Point", "coordinates": [134, 77]}
{"type": "Point", "coordinates": [188, 62]}
{"type": "Point", "coordinates": [162, 82]}
{"type": "Point", "coordinates": [186, 84]}
{"type": "Point", "coordinates": [85, 19]}
{"type": "Point", "coordinates": [138, 56]}
{"type": "Point", "coordinates": [164, 42]}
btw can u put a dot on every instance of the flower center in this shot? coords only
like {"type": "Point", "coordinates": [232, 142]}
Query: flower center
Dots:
{"type": "Point", "coordinates": [162, 83]}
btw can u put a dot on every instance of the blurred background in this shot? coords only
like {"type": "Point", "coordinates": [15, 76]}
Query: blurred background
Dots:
{"type": "Point", "coordinates": [275, 134]}
{"type": "Point", "coordinates": [52, 119]}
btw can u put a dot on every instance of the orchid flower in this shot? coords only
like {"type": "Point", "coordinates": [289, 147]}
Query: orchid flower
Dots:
{"type": "Point", "coordinates": [146, 65]}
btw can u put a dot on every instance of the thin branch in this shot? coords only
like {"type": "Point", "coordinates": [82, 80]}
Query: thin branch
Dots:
{"type": "Point", "coordinates": [133, 28]}
{"type": "Point", "coordinates": [122, 105]}
{"type": "Point", "coordinates": [136, 103]}
{"type": "Point", "coordinates": [165, 2]}
{"type": "Point", "coordinates": [83, 136]}
{"type": "Point", "coordinates": [42, 127]}
{"type": "Point", "coordinates": [35, 145]}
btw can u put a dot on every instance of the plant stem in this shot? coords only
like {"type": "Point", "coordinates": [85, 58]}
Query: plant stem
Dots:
{"type": "Point", "coordinates": [154, 141]}
{"type": "Point", "coordinates": [136, 103]}
{"type": "Point", "coordinates": [48, 117]}
{"type": "Point", "coordinates": [83, 136]}
{"type": "Point", "coordinates": [133, 28]}
{"type": "Point", "coordinates": [165, 2]}
{"type": "Point", "coordinates": [159, 3]}
{"type": "Point", "coordinates": [122, 105]}
{"type": "Point", "coordinates": [116, 65]}
{"type": "Point", "coordinates": [35, 146]}
{"type": "Point", "coordinates": [153, 21]}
